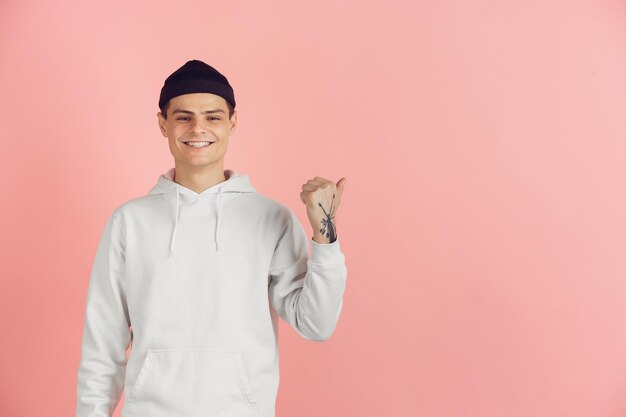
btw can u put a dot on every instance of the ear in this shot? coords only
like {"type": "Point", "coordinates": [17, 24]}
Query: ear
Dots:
{"type": "Point", "coordinates": [161, 122]}
{"type": "Point", "coordinates": [233, 122]}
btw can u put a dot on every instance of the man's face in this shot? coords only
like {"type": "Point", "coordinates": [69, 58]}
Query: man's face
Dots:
{"type": "Point", "coordinates": [197, 117]}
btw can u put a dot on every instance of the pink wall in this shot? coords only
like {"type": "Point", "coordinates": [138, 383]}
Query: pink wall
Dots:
{"type": "Point", "coordinates": [483, 219]}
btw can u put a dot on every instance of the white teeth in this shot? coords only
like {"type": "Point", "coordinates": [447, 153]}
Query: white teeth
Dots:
{"type": "Point", "coordinates": [198, 144]}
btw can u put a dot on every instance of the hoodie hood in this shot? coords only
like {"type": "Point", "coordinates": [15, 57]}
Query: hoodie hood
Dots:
{"type": "Point", "coordinates": [234, 185]}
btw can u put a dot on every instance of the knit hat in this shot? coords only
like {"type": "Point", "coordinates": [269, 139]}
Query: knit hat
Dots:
{"type": "Point", "coordinates": [196, 77]}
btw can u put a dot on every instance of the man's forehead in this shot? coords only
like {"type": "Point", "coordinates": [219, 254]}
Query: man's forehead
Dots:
{"type": "Point", "coordinates": [198, 102]}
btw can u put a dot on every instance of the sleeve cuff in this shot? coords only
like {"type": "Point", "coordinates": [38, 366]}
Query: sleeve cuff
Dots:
{"type": "Point", "coordinates": [326, 254]}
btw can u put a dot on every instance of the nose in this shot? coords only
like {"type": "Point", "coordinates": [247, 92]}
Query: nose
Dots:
{"type": "Point", "coordinates": [198, 126]}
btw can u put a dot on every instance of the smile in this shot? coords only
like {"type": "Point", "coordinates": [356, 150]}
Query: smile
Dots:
{"type": "Point", "coordinates": [193, 144]}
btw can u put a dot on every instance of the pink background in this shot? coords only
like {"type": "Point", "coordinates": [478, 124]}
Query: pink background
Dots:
{"type": "Point", "coordinates": [483, 219]}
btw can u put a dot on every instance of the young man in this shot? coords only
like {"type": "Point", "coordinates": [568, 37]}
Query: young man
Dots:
{"type": "Point", "coordinates": [194, 275]}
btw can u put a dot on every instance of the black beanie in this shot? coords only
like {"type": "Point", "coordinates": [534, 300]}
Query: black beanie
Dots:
{"type": "Point", "coordinates": [196, 77]}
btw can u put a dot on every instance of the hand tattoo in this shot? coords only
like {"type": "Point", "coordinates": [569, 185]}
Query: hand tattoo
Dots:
{"type": "Point", "coordinates": [328, 228]}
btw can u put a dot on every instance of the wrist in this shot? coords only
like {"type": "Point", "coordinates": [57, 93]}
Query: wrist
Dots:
{"type": "Point", "coordinates": [320, 238]}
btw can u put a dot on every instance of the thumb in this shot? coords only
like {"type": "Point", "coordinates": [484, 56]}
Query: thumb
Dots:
{"type": "Point", "coordinates": [340, 185]}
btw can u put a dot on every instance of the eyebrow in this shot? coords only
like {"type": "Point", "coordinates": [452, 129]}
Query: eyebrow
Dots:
{"type": "Point", "coordinates": [204, 112]}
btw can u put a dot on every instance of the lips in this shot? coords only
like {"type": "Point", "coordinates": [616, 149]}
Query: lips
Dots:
{"type": "Point", "coordinates": [199, 144]}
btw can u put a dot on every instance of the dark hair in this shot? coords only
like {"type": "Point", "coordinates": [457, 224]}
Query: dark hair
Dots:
{"type": "Point", "coordinates": [167, 105]}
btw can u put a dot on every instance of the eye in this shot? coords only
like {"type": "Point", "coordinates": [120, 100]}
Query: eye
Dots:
{"type": "Point", "coordinates": [181, 118]}
{"type": "Point", "coordinates": [215, 118]}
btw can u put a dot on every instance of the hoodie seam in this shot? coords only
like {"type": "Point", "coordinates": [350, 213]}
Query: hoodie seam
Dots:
{"type": "Point", "coordinates": [120, 224]}
{"type": "Point", "coordinates": [122, 221]}
{"type": "Point", "coordinates": [325, 265]}
{"type": "Point", "coordinates": [306, 287]}
{"type": "Point", "coordinates": [120, 307]}
{"type": "Point", "coordinates": [123, 244]}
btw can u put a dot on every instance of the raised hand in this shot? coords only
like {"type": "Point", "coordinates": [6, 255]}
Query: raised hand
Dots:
{"type": "Point", "coordinates": [322, 198]}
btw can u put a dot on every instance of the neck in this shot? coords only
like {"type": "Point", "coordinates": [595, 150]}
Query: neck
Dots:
{"type": "Point", "coordinates": [199, 178]}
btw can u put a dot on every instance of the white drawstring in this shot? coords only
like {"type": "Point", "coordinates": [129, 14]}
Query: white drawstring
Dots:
{"type": "Point", "coordinates": [175, 223]}
{"type": "Point", "coordinates": [217, 225]}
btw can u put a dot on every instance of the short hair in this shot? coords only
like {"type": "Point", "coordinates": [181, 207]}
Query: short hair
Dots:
{"type": "Point", "coordinates": [167, 105]}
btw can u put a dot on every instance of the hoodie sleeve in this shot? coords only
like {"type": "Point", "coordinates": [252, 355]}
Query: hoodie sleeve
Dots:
{"type": "Point", "coordinates": [106, 334]}
{"type": "Point", "coordinates": [307, 292]}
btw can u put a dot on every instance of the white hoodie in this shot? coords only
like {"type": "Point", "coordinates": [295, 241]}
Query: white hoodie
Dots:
{"type": "Point", "coordinates": [194, 283]}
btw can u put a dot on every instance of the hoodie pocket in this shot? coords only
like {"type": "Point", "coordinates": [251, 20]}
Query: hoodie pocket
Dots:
{"type": "Point", "coordinates": [191, 382]}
